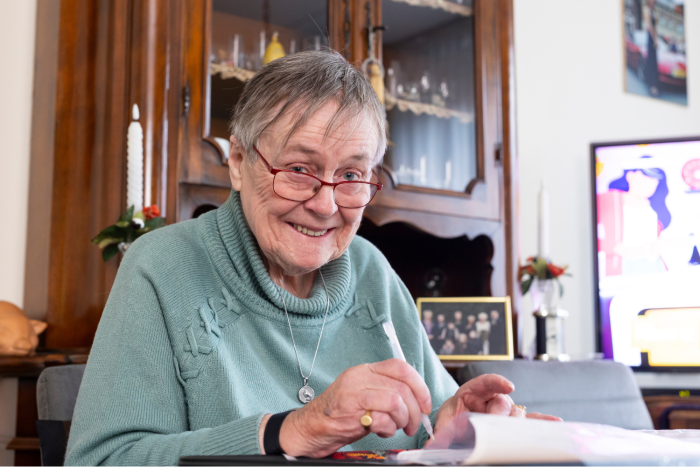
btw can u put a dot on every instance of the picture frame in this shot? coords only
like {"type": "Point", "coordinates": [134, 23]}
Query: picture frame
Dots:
{"type": "Point", "coordinates": [490, 339]}
{"type": "Point", "coordinates": [654, 49]}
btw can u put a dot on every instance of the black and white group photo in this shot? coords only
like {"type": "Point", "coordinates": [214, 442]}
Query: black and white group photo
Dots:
{"type": "Point", "coordinates": [462, 328]}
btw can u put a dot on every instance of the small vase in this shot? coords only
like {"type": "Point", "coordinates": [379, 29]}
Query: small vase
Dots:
{"type": "Point", "coordinates": [123, 246]}
{"type": "Point", "coordinates": [544, 294]}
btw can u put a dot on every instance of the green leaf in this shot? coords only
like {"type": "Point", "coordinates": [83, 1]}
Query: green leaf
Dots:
{"type": "Point", "coordinates": [155, 223]}
{"type": "Point", "coordinates": [112, 231]}
{"type": "Point", "coordinates": [110, 251]}
{"type": "Point", "coordinates": [123, 224]}
{"type": "Point", "coordinates": [525, 285]}
{"type": "Point", "coordinates": [540, 267]}
{"type": "Point", "coordinates": [109, 241]}
{"type": "Point", "coordinates": [561, 288]}
{"type": "Point", "coordinates": [126, 217]}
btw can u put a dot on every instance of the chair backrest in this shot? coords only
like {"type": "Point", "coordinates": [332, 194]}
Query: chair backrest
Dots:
{"type": "Point", "coordinates": [57, 390]}
{"type": "Point", "coordinates": [56, 393]}
{"type": "Point", "coordinates": [592, 391]}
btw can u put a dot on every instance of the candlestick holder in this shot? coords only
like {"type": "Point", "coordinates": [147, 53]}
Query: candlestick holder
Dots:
{"type": "Point", "coordinates": [550, 320]}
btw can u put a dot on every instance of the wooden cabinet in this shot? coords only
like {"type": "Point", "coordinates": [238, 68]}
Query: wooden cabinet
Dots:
{"type": "Point", "coordinates": [450, 176]}
{"type": "Point", "coordinates": [448, 172]}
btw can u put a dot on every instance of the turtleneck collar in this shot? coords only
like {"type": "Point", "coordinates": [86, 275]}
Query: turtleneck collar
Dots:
{"type": "Point", "coordinates": [236, 256]}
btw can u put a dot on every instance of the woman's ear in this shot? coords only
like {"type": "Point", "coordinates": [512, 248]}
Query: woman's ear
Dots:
{"type": "Point", "coordinates": [236, 156]}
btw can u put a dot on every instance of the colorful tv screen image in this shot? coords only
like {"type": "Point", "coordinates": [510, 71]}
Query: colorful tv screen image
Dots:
{"type": "Point", "coordinates": [648, 255]}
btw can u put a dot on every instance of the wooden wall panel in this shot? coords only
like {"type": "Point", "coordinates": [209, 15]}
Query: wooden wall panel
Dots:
{"type": "Point", "coordinates": [88, 176]}
{"type": "Point", "coordinates": [36, 274]}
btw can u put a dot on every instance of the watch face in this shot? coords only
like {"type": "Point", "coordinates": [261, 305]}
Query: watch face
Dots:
{"type": "Point", "coordinates": [691, 174]}
{"type": "Point", "coordinates": [306, 394]}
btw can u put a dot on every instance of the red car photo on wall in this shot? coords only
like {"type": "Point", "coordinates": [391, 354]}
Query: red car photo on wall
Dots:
{"type": "Point", "coordinates": [655, 51]}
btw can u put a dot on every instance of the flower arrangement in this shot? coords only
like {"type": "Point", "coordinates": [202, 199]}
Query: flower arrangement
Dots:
{"type": "Point", "coordinates": [540, 268]}
{"type": "Point", "coordinates": [128, 228]}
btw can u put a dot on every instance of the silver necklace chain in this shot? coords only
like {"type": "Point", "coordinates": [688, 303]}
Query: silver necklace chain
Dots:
{"type": "Point", "coordinates": [306, 394]}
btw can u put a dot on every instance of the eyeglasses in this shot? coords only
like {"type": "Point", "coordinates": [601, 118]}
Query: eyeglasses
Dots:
{"type": "Point", "coordinates": [298, 186]}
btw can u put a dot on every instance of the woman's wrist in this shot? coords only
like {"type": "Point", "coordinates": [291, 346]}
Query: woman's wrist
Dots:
{"type": "Point", "coordinates": [261, 431]}
{"type": "Point", "coordinates": [291, 441]}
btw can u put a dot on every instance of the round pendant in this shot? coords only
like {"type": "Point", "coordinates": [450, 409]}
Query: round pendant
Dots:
{"type": "Point", "coordinates": [306, 394]}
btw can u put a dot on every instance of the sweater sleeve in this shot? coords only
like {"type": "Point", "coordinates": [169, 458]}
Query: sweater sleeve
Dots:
{"type": "Point", "coordinates": [131, 409]}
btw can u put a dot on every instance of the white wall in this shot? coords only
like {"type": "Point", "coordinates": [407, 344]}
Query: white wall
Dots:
{"type": "Point", "coordinates": [570, 93]}
{"type": "Point", "coordinates": [17, 30]}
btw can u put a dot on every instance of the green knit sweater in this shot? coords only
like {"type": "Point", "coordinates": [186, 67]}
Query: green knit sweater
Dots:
{"type": "Point", "coordinates": [193, 347]}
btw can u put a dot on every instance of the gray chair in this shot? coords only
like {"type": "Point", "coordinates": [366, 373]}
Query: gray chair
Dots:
{"type": "Point", "coordinates": [56, 393]}
{"type": "Point", "coordinates": [592, 391]}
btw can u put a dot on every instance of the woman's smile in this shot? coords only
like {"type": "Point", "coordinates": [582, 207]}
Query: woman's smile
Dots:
{"type": "Point", "coordinates": [310, 231]}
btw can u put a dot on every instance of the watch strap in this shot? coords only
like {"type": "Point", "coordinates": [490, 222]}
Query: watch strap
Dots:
{"type": "Point", "coordinates": [271, 436]}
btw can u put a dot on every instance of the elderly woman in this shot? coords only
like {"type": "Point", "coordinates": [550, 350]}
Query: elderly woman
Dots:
{"type": "Point", "coordinates": [257, 328]}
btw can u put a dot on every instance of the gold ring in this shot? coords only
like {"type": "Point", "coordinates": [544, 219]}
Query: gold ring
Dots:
{"type": "Point", "coordinates": [366, 419]}
{"type": "Point", "coordinates": [523, 408]}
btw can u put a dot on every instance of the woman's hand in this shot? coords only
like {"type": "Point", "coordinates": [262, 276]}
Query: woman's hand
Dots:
{"type": "Point", "coordinates": [483, 394]}
{"type": "Point", "coordinates": [392, 390]}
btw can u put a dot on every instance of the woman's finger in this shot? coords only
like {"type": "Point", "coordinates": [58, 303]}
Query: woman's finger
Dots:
{"type": "Point", "coordinates": [402, 371]}
{"type": "Point", "coordinates": [385, 401]}
{"type": "Point", "coordinates": [383, 424]}
{"type": "Point", "coordinates": [516, 411]}
{"type": "Point", "coordinates": [414, 413]}
{"type": "Point", "coordinates": [500, 405]}
{"type": "Point", "coordinates": [541, 416]}
{"type": "Point", "coordinates": [487, 387]}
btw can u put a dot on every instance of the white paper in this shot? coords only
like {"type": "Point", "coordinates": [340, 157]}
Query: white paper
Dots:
{"type": "Point", "coordinates": [509, 440]}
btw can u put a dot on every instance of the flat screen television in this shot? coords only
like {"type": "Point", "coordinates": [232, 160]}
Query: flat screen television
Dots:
{"type": "Point", "coordinates": [646, 223]}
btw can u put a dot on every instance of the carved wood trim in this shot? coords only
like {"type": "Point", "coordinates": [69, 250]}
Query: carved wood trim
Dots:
{"type": "Point", "coordinates": [510, 163]}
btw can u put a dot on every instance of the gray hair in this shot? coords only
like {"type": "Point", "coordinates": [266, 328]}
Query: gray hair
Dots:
{"type": "Point", "coordinates": [305, 80]}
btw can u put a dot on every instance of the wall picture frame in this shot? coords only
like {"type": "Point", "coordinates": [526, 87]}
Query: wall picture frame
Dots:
{"type": "Point", "coordinates": [655, 49]}
{"type": "Point", "coordinates": [468, 328]}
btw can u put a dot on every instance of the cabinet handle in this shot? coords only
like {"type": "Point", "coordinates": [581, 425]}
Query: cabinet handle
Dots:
{"type": "Point", "coordinates": [185, 101]}
{"type": "Point", "coordinates": [498, 152]}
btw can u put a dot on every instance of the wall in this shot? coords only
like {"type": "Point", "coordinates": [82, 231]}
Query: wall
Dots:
{"type": "Point", "coordinates": [17, 30]}
{"type": "Point", "coordinates": [570, 93]}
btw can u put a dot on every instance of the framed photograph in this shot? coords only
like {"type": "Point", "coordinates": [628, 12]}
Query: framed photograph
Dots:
{"type": "Point", "coordinates": [655, 49]}
{"type": "Point", "coordinates": [468, 328]}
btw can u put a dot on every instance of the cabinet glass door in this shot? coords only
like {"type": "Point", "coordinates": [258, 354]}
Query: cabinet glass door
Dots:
{"type": "Point", "coordinates": [428, 56]}
{"type": "Point", "coordinates": [241, 34]}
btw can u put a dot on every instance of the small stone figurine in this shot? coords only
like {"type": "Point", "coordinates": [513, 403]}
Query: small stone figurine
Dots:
{"type": "Point", "coordinates": [18, 335]}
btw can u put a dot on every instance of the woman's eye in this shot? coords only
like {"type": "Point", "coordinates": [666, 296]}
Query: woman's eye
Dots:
{"type": "Point", "coordinates": [350, 177]}
{"type": "Point", "coordinates": [299, 169]}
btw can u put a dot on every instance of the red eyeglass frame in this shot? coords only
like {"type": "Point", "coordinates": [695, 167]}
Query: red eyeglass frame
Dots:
{"type": "Point", "coordinates": [274, 171]}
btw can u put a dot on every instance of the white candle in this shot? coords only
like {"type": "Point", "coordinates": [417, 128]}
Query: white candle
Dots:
{"type": "Point", "coordinates": [234, 57]}
{"type": "Point", "coordinates": [134, 163]}
{"type": "Point", "coordinates": [448, 174]}
{"type": "Point", "coordinates": [543, 223]}
{"type": "Point", "coordinates": [262, 46]}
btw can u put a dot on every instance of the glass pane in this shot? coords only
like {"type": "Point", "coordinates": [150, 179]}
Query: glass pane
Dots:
{"type": "Point", "coordinates": [428, 56]}
{"type": "Point", "coordinates": [241, 33]}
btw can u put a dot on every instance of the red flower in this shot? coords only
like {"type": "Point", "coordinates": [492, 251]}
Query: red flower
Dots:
{"type": "Point", "coordinates": [555, 270]}
{"type": "Point", "coordinates": [151, 211]}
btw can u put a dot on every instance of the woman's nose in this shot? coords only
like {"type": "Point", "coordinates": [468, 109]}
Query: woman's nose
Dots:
{"type": "Point", "coordinates": [323, 202]}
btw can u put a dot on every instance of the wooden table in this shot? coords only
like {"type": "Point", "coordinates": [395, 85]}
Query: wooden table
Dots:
{"type": "Point", "coordinates": [678, 419]}
{"type": "Point", "coordinates": [27, 371]}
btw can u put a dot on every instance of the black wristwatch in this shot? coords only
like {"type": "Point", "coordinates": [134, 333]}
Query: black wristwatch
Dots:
{"type": "Point", "coordinates": [271, 437]}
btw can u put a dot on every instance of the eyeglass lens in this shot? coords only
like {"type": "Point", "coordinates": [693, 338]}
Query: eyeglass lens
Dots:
{"type": "Point", "coordinates": [302, 187]}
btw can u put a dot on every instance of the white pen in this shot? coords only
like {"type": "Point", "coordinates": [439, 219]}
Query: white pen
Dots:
{"type": "Point", "coordinates": [398, 353]}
